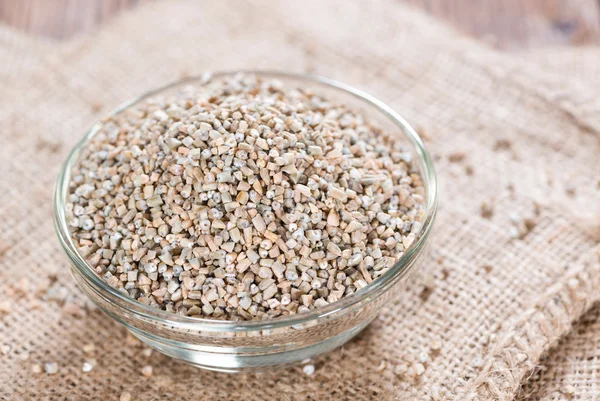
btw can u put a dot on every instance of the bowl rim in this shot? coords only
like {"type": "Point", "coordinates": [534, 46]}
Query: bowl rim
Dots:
{"type": "Point", "coordinates": [367, 294]}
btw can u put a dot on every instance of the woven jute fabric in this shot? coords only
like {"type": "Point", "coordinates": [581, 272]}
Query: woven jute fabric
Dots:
{"type": "Point", "coordinates": [571, 370]}
{"type": "Point", "coordinates": [496, 293]}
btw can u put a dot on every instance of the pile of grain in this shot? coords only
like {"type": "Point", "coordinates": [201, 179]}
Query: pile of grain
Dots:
{"type": "Point", "coordinates": [243, 199]}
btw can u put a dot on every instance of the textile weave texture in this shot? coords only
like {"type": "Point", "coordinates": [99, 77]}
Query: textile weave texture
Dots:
{"type": "Point", "coordinates": [489, 316]}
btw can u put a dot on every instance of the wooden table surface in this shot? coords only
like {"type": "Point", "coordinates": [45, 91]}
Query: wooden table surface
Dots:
{"type": "Point", "coordinates": [508, 24]}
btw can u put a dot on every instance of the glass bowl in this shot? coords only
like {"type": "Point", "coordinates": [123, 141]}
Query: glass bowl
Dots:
{"type": "Point", "coordinates": [244, 345]}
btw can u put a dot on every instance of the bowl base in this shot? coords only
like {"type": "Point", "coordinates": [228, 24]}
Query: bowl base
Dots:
{"type": "Point", "coordinates": [231, 362]}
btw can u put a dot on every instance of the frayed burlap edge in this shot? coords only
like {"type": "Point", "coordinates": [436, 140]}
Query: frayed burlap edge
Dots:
{"type": "Point", "coordinates": [534, 333]}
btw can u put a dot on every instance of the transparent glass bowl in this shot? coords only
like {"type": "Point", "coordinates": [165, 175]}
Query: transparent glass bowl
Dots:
{"type": "Point", "coordinates": [236, 346]}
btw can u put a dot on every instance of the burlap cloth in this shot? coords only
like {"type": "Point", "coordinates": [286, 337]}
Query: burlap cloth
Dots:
{"type": "Point", "coordinates": [481, 320]}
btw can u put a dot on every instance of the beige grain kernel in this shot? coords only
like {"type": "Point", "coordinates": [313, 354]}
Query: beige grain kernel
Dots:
{"type": "Point", "coordinates": [154, 201]}
{"type": "Point", "coordinates": [338, 194]}
{"type": "Point", "coordinates": [87, 367]}
{"type": "Point", "coordinates": [147, 371]}
{"type": "Point", "coordinates": [259, 223]}
{"type": "Point", "coordinates": [51, 368]}
{"type": "Point", "coordinates": [353, 226]}
{"type": "Point", "coordinates": [89, 348]}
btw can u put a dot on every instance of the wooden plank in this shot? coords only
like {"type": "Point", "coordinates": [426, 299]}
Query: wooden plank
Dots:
{"type": "Point", "coordinates": [60, 18]}
{"type": "Point", "coordinates": [519, 24]}
{"type": "Point", "coordinates": [509, 24]}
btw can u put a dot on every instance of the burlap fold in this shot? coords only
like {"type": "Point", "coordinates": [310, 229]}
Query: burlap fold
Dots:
{"type": "Point", "coordinates": [503, 283]}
